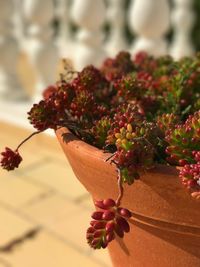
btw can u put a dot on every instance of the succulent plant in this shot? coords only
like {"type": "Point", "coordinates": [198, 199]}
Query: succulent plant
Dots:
{"type": "Point", "coordinates": [143, 111]}
{"type": "Point", "coordinates": [183, 140]}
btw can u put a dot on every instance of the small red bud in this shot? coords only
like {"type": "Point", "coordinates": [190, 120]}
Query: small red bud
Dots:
{"type": "Point", "coordinates": [98, 233]}
{"type": "Point", "coordinates": [109, 203]}
{"type": "Point", "coordinates": [99, 225]}
{"type": "Point", "coordinates": [182, 162]}
{"type": "Point", "coordinates": [97, 215]}
{"type": "Point", "coordinates": [95, 242]}
{"type": "Point", "coordinates": [90, 230]}
{"type": "Point", "coordinates": [108, 215]}
{"type": "Point", "coordinates": [110, 226]}
{"type": "Point", "coordinates": [124, 212]}
{"type": "Point", "coordinates": [123, 224]}
{"type": "Point", "coordinates": [89, 236]}
{"type": "Point", "coordinates": [119, 231]}
{"type": "Point", "coordinates": [92, 223]}
{"type": "Point", "coordinates": [110, 237]}
{"type": "Point", "coordinates": [99, 204]}
{"type": "Point", "coordinates": [191, 183]}
{"type": "Point", "coordinates": [104, 245]}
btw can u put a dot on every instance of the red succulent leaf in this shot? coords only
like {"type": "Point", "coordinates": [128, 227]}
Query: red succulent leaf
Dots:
{"type": "Point", "coordinates": [107, 223]}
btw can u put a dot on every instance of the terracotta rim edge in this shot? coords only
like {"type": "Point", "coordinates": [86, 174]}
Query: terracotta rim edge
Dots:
{"type": "Point", "coordinates": [99, 154]}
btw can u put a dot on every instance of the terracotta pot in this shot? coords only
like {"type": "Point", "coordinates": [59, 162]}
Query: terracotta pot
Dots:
{"type": "Point", "coordinates": [165, 229]}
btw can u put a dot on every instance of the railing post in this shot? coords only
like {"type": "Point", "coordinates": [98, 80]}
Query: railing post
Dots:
{"type": "Point", "coordinates": [182, 21]}
{"type": "Point", "coordinates": [89, 15]}
{"type": "Point", "coordinates": [19, 25]}
{"type": "Point", "coordinates": [40, 42]}
{"type": "Point", "coordinates": [10, 87]}
{"type": "Point", "coordinates": [116, 18]}
{"type": "Point", "coordinates": [149, 20]}
{"type": "Point", "coordinates": [64, 36]}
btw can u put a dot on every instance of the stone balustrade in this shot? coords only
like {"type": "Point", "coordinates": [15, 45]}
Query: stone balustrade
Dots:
{"type": "Point", "coordinates": [85, 32]}
{"type": "Point", "coordinates": [182, 18]}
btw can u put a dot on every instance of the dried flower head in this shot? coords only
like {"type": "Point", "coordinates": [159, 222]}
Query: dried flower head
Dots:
{"type": "Point", "coordinates": [10, 159]}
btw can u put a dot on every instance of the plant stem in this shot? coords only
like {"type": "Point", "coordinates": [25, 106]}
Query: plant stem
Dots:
{"type": "Point", "coordinates": [110, 157]}
{"type": "Point", "coordinates": [29, 137]}
{"type": "Point", "coordinates": [120, 187]}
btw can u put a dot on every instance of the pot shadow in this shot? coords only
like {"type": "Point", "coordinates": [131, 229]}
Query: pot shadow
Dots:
{"type": "Point", "coordinates": [68, 137]}
{"type": "Point", "coordinates": [187, 243]}
{"type": "Point", "coordinates": [122, 245]}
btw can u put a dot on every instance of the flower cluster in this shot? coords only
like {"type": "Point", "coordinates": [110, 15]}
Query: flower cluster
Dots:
{"type": "Point", "coordinates": [143, 111]}
{"type": "Point", "coordinates": [10, 159]}
{"type": "Point", "coordinates": [183, 140]}
{"type": "Point", "coordinates": [190, 175]}
{"type": "Point", "coordinates": [114, 69]}
{"type": "Point", "coordinates": [108, 222]}
{"type": "Point", "coordinates": [167, 121]}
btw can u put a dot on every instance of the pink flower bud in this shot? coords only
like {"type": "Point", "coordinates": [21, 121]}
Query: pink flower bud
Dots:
{"type": "Point", "coordinates": [110, 237]}
{"type": "Point", "coordinates": [90, 230]}
{"type": "Point", "coordinates": [99, 204]}
{"type": "Point", "coordinates": [108, 215]}
{"type": "Point", "coordinates": [94, 243]}
{"type": "Point", "coordinates": [109, 203]}
{"type": "Point", "coordinates": [104, 244]}
{"type": "Point", "coordinates": [89, 236]}
{"type": "Point", "coordinates": [98, 233]}
{"type": "Point", "coordinates": [182, 162]}
{"type": "Point", "coordinates": [119, 231]}
{"type": "Point", "coordinates": [123, 224]}
{"type": "Point", "coordinates": [99, 225]}
{"type": "Point", "coordinates": [92, 223]}
{"type": "Point", "coordinates": [97, 215]}
{"type": "Point", "coordinates": [124, 212]}
{"type": "Point", "coordinates": [110, 227]}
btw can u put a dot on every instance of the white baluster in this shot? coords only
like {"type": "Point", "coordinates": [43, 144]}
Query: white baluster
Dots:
{"type": "Point", "coordinates": [150, 20]}
{"type": "Point", "coordinates": [64, 39]}
{"type": "Point", "coordinates": [19, 24]}
{"type": "Point", "coordinates": [89, 15]}
{"type": "Point", "coordinates": [116, 18]}
{"type": "Point", "coordinates": [10, 86]}
{"type": "Point", "coordinates": [40, 45]}
{"type": "Point", "coordinates": [182, 21]}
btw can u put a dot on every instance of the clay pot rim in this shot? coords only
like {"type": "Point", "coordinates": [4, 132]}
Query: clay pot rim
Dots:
{"type": "Point", "coordinates": [94, 152]}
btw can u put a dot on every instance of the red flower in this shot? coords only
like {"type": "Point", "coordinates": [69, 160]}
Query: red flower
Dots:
{"type": "Point", "coordinates": [10, 160]}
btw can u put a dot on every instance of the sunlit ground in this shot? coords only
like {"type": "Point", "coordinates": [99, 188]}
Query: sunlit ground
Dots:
{"type": "Point", "coordinates": [44, 210]}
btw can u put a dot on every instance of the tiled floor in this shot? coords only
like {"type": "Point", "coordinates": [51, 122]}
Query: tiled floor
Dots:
{"type": "Point", "coordinates": [44, 211]}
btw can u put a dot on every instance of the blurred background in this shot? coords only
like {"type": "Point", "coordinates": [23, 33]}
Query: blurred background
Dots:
{"type": "Point", "coordinates": [44, 211]}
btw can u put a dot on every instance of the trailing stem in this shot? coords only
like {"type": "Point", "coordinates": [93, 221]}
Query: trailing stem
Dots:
{"type": "Point", "coordinates": [26, 139]}
{"type": "Point", "coordinates": [120, 188]}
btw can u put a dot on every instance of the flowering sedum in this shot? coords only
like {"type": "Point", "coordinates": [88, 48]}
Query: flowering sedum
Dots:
{"type": "Point", "coordinates": [144, 111]}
